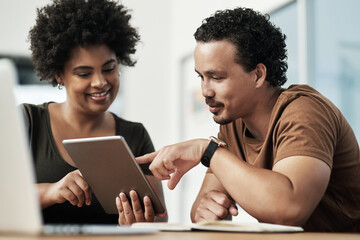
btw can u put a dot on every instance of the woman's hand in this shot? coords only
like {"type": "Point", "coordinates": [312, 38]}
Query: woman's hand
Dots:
{"type": "Point", "coordinates": [129, 215]}
{"type": "Point", "coordinates": [72, 188]}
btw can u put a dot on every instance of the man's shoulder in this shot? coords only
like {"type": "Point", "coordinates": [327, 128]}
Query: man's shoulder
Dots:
{"type": "Point", "coordinates": [303, 94]}
{"type": "Point", "coordinates": [302, 99]}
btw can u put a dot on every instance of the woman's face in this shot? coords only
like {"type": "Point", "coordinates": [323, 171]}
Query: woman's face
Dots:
{"type": "Point", "coordinates": [91, 78]}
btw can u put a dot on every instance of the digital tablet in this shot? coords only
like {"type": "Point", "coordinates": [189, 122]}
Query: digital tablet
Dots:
{"type": "Point", "coordinates": [109, 167]}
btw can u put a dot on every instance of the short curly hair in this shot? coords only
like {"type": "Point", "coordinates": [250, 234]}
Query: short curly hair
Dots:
{"type": "Point", "coordinates": [257, 40]}
{"type": "Point", "coordinates": [65, 24]}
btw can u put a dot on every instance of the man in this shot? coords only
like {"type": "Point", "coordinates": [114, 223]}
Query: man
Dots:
{"type": "Point", "coordinates": [291, 157]}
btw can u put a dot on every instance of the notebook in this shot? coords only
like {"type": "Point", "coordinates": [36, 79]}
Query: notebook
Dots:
{"type": "Point", "coordinates": [220, 226]}
{"type": "Point", "coordinates": [20, 211]}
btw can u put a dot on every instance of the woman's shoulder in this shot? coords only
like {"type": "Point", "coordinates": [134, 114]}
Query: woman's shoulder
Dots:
{"type": "Point", "coordinates": [127, 123]}
{"type": "Point", "coordinates": [34, 109]}
{"type": "Point", "coordinates": [39, 107]}
{"type": "Point", "coordinates": [127, 128]}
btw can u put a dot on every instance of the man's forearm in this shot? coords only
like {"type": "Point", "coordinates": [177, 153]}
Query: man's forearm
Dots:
{"type": "Point", "coordinates": [267, 195]}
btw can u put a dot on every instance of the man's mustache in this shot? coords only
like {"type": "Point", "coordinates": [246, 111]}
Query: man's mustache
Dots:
{"type": "Point", "coordinates": [212, 103]}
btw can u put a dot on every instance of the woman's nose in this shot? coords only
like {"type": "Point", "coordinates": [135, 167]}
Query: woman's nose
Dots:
{"type": "Point", "coordinates": [99, 81]}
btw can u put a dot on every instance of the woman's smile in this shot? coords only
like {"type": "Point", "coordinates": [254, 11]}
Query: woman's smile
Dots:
{"type": "Point", "coordinates": [100, 96]}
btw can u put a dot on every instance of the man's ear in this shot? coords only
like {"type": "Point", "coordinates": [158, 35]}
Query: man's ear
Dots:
{"type": "Point", "coordinates": [260, 72]}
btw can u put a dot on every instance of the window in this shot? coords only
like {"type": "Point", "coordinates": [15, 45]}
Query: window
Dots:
{"type": "Point", "coordinates": [335, 39]}
{"type": "Point", "coordinates": [286, 19]}
{"type": "Point", "coordinates": [333, 51]}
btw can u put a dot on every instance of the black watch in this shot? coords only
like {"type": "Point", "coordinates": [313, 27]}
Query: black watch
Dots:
{"type": "Point", "coordinates": [209, 151]}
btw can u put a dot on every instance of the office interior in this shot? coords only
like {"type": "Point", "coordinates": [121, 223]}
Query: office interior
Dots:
{"type": "Point", "coordinates": [163, 91]}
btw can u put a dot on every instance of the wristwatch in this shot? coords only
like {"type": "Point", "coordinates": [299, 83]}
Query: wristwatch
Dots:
{"type": "Point", "coordinates": [211, 148]}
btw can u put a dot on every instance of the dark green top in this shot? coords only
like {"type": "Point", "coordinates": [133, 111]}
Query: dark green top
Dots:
{"type": "Point", "coordinates": [50, 167]}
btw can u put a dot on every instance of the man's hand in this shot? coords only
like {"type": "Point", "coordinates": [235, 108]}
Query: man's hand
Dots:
{"type": "Point", "coordinates": [215, 205]}
{"type": "Point", "coordinates": [172, 162]}
{"type": "Point", "coordinates": [72, 188]}
{"type": "Point", "coordinates": [129, 215]}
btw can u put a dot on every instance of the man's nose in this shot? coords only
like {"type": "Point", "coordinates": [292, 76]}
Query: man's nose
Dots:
{"type": "Point", "coordinates": [206, 89]}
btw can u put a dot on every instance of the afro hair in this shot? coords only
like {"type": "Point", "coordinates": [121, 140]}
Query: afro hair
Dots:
{"type": "Point", "coordinates": [65, 24]}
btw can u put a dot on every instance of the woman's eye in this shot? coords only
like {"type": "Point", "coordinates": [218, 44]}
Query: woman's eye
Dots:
{"type": "Point", "coordinates": [83, 74]}
{"type": "Point", "coordinates": [108, 69]}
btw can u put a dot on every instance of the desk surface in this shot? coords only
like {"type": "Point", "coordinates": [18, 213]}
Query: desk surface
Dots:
{"type": "Point", "coordinates": [200, 236]}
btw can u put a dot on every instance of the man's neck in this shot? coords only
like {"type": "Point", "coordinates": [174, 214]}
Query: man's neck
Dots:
{"type": "Point", "coordinates": [258, 122]}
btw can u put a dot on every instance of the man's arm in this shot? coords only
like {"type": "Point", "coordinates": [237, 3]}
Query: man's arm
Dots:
{"type": "Point", "coordinates": [288, 194]}
{"type": "Point", "coordinates": [212, 202]}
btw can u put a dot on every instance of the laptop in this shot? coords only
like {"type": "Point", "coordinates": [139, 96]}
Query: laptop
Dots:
{"type": "Point", "coordinates": [20, 211]}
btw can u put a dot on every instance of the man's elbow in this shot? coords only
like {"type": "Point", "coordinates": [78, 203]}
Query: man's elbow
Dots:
{"type": "Point", "coordinates": [290, 216]}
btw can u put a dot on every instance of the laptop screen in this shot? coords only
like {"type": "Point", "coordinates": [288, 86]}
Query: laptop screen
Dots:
{"type": "Point", "coordinates": [19, 208]}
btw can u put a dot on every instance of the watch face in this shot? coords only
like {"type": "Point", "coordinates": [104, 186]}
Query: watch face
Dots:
{"type": "Point", "coordinates": [218, 141]}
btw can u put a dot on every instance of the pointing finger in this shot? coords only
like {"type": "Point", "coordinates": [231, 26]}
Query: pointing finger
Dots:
{"type": "Point", "coordinates": [146, 158]}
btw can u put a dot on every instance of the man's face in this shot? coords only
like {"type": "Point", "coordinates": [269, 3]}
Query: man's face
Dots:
{"type": "Point", "coordinates": [228, 89]}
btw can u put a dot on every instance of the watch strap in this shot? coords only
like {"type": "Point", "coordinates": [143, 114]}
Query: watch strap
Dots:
{"type": "Point", "coordinates": [208, 153]}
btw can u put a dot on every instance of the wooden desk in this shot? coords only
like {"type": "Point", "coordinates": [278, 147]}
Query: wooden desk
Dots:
{"type": "Point", "coordinates": [201, 236]}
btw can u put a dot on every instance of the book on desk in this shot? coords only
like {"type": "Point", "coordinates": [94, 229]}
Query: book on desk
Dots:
{"type": "Point", "coordinates": [219, 226]}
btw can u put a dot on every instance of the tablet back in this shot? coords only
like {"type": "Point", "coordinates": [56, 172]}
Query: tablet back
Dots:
{"type": "Point", "coordinates": [109, 167]}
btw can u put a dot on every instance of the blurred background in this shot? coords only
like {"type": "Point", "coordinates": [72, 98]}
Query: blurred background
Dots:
{"type": "Point", "coordinates": [163, 92]}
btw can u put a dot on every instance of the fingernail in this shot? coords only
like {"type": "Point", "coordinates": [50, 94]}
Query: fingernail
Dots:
{"type": "Point", "coordinates": [123, 196]}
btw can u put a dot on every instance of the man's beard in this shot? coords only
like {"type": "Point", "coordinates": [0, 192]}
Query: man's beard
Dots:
{"type": "Point", "coordinates": [212, 103]}
{"type": "Point", "coordinates": [222, 121]}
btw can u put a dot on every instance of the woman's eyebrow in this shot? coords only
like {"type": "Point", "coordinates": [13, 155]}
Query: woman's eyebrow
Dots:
{"type": "Point", "coordinates": [81, 68]}
{"type": "Point", "coordinates": [88, 67]}
{"type": "Point", "coordinates": [108, 62]}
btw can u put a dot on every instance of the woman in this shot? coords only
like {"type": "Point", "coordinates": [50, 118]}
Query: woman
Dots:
{"type": "Point", "coordinates": [77, 45]}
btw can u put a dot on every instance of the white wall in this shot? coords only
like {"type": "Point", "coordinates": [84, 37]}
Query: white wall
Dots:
{"type": "Point", "coordinates": [16, 18]}
{"type": "Point", "coordinates": [150, 89]}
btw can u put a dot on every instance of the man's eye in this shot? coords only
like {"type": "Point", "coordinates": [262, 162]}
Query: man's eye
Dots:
{"type": "Point", "coordinates": [217, 78]}
{"type": "Point", "coordinates": [200, 76]}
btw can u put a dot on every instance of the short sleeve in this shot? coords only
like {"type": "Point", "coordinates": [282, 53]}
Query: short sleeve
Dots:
{"type": "Point", "coordinates": [307, 127]}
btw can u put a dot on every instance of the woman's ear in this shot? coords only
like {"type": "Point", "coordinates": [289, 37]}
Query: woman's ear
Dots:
{"type": "Point", "coordinates": [58, 77]}
{"type": "Point", "coordinates": [260, 72]}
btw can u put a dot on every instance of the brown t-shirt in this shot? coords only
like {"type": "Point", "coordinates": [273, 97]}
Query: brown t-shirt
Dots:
{"type": "Point", "coordinates": [305, 123]}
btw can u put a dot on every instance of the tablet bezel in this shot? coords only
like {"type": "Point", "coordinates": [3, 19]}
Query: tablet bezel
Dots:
{"type": "Point", "coordinates": [97, 160]}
